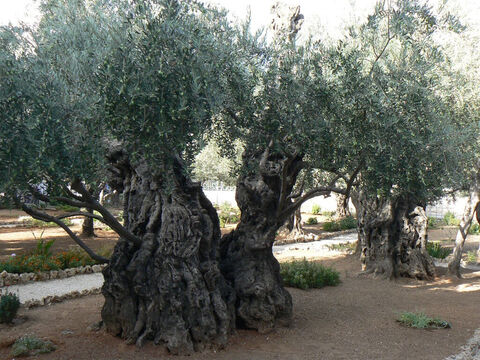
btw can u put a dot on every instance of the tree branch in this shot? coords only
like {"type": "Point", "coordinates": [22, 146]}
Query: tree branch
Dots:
{"type": "Point", "coordinates": [110, 220]}
{"type": "Point", "coordinates": [39, 215]}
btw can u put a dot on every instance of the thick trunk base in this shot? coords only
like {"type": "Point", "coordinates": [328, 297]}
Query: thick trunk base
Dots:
{"type": "Point", "coordinates": [169, 289]}
{"type": "Point", "coordinates": [246, 258]}
{"type": "Point", "coordinates": [393, 238]}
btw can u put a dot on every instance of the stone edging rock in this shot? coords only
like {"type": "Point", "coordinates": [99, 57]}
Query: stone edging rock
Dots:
{"type": "Point", "coordinates": [48, 300]}
{"type": "Point", "coordinates": [7, 279]}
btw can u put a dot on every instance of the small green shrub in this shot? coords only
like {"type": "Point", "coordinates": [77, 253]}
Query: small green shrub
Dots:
{"type": "Point", "coordinates": [432, 222]}
{"type": "Point", "coordinates": [305, 274]}
{"type": "Point", "coordinates": [421, 321]}
{"type": "Point", "coordinates": [474, 229]}
{"type": "Point", "coordinates": [30, 345]}
{"type": "Point", "coordinates": [331, 226]}
{"type": "Point", "coordinates": [316, 209]}
{"type": "Point", "coordinates": [311, 221]}
{"type": "Point", "coordinates": [436, 250]}
{"type": "Point", "coordinates": [228, 214]}
{"type": "Point", "coordinates": [471, 257]}
{"type": "Point", "coordinates": [328, 213]}
{"type": "Point", "coordinates": [348, 222]}
{"type": "Point", "coordinates": [67, 208]}
{"type": "Point", "coordinates": [9, 305]}
{"type": "Point", "coordinates": [450, 219]}
{"type": "Point", "coordinates": [346, 246]}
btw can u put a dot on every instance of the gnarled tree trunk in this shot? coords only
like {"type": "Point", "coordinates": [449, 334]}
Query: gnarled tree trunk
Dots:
{"type": "Point", "coordinates": [246, 253]}
{"type": "Point", "coordinates": [393, 236]}
{"type": "Point", "coordinates": [169, 289]}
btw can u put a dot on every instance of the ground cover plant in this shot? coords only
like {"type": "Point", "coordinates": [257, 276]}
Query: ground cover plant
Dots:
{"type": "Point", "coordinates": [308, 274]}
{"type": "Point", "coordinates": [419, 320]}
{"type": "Point", "coordinates": [347, 247]}
{"type": "Point", "coordinates": [348, 222]}
{"type": "Point", "coordinates": [42, 259]}
{"type": "Point", "coordinates": [9, 305]}
{"type": "Point", "coordinates": [311, 221]}
{"type": "Point", "coordinates": [30, 345]}
{"type": "Point", "coordinates": [436, 250]}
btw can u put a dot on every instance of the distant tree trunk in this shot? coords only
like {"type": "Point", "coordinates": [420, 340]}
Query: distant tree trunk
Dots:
{"type": "Point", "coordinates": [472, 207]}
{"type": "Point", "coordinates": [293, 227]}
{"type": "Point", "coordinates": [87, 226]}
{"type": "Point", "coordinates": [393, 237]}
{"type": "Point", "coordinates": [342, 206]}
{"type": "Point", "coordinates": [246, 253]}
{"type": "Point", "coordinates": [169, 289]}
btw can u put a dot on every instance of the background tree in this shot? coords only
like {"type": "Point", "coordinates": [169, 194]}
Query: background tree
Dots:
{"type": "Point", "coordinates": [388, 83]}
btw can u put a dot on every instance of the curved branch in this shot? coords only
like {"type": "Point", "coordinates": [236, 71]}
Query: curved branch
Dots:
{"type": "Point", "coordinates": [39, 215]}
{"type": "Point", "coordinates": [109, 219]}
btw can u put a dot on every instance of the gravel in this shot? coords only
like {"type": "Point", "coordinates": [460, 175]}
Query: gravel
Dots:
{"type": "Point", "coordinates": [41, 289]}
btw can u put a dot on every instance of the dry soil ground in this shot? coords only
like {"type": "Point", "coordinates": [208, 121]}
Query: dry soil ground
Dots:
{"type": "Point", "coordinates": [355, 320]}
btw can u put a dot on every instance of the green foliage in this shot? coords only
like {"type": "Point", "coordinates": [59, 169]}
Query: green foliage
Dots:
{"type": "Point", "coordinates": [331, 226]}
{"type": "Point", "coordinates": [328, 214]}
{"type": "Point", "coordinates": [311, 221]}
{"type": "Point", "coordinates": [419, 320]}
{"type": "Point", "coordinates": [474, 229]}
{"type": "Point", "coordinates": [436, 250]}
{"type": "Point", "coordinates": [30, 345]}
{"type": "Point", "coordinates": [449, 219]}
{"type": "Point", "coordinates": [42, 224]}
{"type": "Point", "coordinates": [316, 209]}
{"type": "Point", "coordinates": [43, 260]}
{"type": "Point", "coordinates": [306, 274]}
{"type": "Point", "coordinates": [67, 208]}
{"type": "Point", "coordinates": [432, 222]}
{"type": "Point", "coordinates": [471, 257]}
{"type": "Point", "coordinates": [228, 214]}
{"type": "Point", "coordinates": [348, 222]}
{"type": "Point", "coordinates": [348, 247]}
{"type": "Point", "coordinates": [9, 305]}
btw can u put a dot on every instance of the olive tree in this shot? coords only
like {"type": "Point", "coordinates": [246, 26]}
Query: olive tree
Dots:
{"type": "Point", "coordinates": [389, 79]}
{"type": "Point", "coordinates": [128, 88]}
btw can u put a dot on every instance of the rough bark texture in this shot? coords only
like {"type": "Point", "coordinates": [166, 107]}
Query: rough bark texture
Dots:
{"type": "Point", "coordinates": [292, 230]}
{"type": "Point", "coordinates": [169, 289]}
{"type": "Point", "coordinates": [393, 237]}
{"type": "Point", "coordinates": [246, 253]}
{"type": "Point", "coordinates": [472, 206]}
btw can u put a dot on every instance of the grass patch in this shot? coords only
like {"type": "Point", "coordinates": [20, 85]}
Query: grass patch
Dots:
{"type": "Point", "coordinates": [419, 320]}
{"type": "Point", "coordinates": [30, 345]}
{"type": "Point", "coordinates": [306, 274]}
{"type": "Point", "coordinates": [348, 247]}
{"type": "Point", "coordinates": [436, 250]}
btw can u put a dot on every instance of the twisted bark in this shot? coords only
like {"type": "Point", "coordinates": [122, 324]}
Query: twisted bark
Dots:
{"type": "Point", "coordinates": [246, 253]}
{"type": "Point", "coordinates": [393, 237]}
{"type": "Point", "coordinates": [167, 289]}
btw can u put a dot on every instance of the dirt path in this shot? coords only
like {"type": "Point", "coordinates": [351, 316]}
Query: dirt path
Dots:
{"type": "Point", "coordinates": [355, 320]}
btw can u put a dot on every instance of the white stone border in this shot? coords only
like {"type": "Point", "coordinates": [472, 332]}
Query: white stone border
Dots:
{"type": "Point", "coordinates": [8, 279]}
